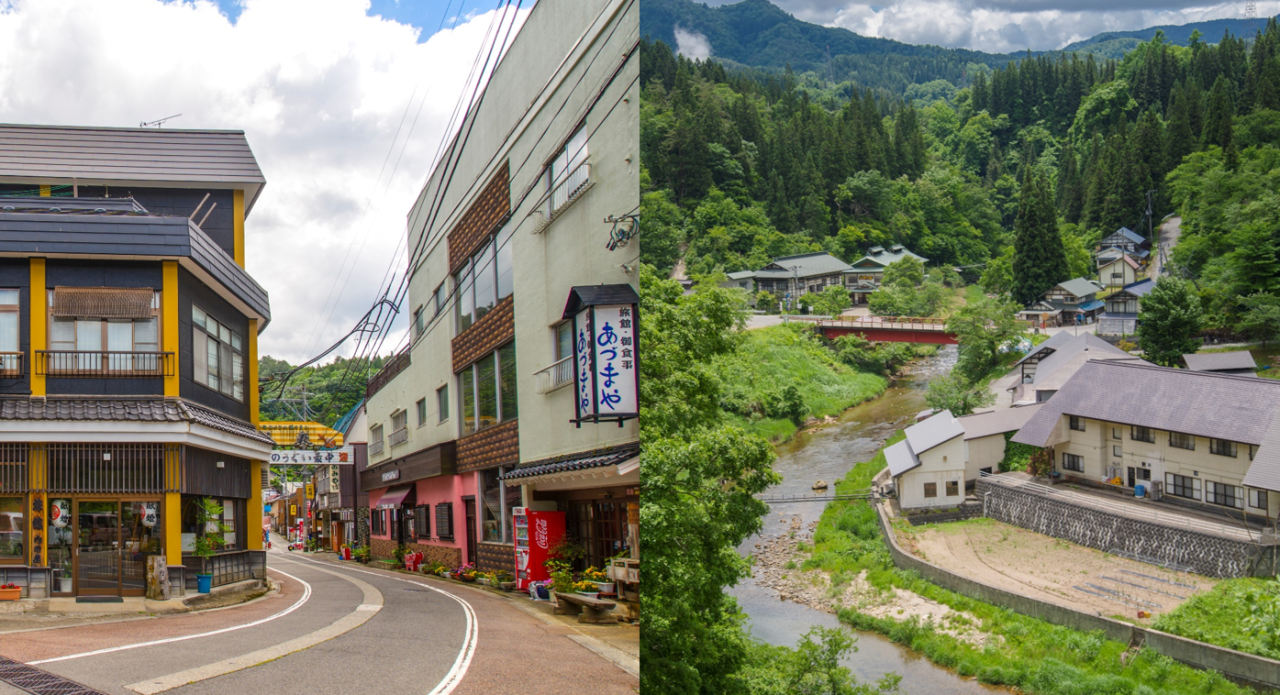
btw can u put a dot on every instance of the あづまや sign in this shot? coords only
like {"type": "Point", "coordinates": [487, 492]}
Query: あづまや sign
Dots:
{"type": "Point", "coordinates": [605, 363]}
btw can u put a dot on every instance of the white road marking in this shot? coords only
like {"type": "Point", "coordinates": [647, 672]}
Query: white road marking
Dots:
{"type": "Point", "coordinates": [306, 594]}
{"type": "Point", "coordinates": [366, 610]}
{"type": "Point", "coordinates": [455, 675]}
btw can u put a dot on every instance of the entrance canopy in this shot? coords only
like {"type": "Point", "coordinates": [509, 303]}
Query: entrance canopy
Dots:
{"type": "Point", "coordinates": [397, 496]}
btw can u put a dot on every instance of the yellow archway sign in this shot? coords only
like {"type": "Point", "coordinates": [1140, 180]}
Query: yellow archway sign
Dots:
{"type": "Point", "coordinates": [298, 434]}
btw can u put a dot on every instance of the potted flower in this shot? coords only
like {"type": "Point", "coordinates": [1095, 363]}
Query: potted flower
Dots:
{"type": "Point", "coordinates": [585, 587]}
{"type": "Point", "coordinates": [10, 592]}
{"type": "Point", "coordinates": [208, 518]}
{"type": "Point", "coordinates": [361, 554]}
{"type": "Point", "coordinates": [466, 573]}
{"type": "Point", "coordinates": [504, 580]}
{"type": "Point", "coordinates": [599, 578]}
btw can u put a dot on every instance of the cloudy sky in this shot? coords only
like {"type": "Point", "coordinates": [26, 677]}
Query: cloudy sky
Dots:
{"type": "Point", "coordinates": [344, 104]}
{"type": "Point", "coordinates": [1000, 26]}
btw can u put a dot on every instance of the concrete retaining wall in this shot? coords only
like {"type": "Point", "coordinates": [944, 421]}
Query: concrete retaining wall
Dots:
{"type": "Point", "coordinates": [1201, 553]}
{"type": "Point", "coordinates": [970, 510]}
{"type": "Point", "coordinates": [1237, 665]}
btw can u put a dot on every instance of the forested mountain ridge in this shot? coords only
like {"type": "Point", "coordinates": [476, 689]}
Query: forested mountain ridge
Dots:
{"type": "Point", "coordinates": [741, 166]}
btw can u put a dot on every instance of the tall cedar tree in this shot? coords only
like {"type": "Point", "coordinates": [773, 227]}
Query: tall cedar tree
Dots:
{"type": "Point", "coordinates": [1039, 260]}
{"type": "Point", "coordinates": [1169, 318]}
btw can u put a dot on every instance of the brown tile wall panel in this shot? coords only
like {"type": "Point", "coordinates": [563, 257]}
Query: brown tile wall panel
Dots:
{"type": "Point", "coordinates": [497, 446]}
{"type": "Point", "coordinates": [495, 329]}
{"type": "Point", "coordinates": [492, 557]}
{"type": "Point", "coordinates": [490, 207]}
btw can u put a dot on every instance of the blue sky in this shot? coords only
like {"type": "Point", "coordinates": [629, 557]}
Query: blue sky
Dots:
{"type": "Point", "coordinates": [427, 15]}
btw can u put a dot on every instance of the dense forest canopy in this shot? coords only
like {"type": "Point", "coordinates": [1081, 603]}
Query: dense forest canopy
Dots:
{"type": "Point", "coordinates": [329, 390]}
{"type": "Point", "coordinates": [741, 166]}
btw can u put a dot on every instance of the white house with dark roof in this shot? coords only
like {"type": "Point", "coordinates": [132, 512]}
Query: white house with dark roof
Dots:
{"type": "Point", "coordinates": [984, 437]}
{"type": "Point", "coordinates": [866, 274]}
{"type": "Point", "coordinates": [1127, 240]}
{"type": "Point", "coordinates": [1045, 370]}
{"type": "Point", "coordinates": [1070, 301]}
{"type": "Point", "coordinates": [1120, 315]}
{"type": "Point", "coordinates": [928, 467]}
{"type": "Point", "coordinates": [1118, 272]}
{"type": "Point", "coordinates": [1193, 437]}
{"type": "Point", "coordinates": [792, 276]}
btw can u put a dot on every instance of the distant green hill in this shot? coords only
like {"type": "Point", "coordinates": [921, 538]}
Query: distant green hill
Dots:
{"type": "Point", "coordinates": [1211, 31]}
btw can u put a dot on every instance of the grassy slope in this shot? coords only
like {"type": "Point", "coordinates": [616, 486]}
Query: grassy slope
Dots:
{"type": "Point", "coordinates": [1217, 617]}
{"type": "Point", "coordinates": [769, 359]}
{"type": "Point", "coordinates": [1029, 654]}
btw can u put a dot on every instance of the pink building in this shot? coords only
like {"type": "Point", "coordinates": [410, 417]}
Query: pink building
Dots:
{"type": "Point", "coordinates": [420, 500]}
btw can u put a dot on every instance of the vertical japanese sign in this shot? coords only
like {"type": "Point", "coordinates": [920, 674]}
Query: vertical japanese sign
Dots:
{"type": "Point", "coordinates": [605, 363]}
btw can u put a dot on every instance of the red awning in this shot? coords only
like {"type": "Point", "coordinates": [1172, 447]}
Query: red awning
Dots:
{"type": "Point", "coordinates": [397, 496]}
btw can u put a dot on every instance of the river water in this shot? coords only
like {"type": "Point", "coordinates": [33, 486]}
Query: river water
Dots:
{"type": "Point", "coordinates": [828, 454]}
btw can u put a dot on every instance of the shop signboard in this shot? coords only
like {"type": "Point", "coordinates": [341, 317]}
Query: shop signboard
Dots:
{"type": "Point", "coordinates": [302, 457]}
{"type": "Point", "coordinates": [606, 363]}
{"type": "Point", "coordinates": [311, 491]}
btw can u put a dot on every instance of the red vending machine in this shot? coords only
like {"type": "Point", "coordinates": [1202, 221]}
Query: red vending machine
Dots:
{"type": "Point", "coordinates": [536, 534]}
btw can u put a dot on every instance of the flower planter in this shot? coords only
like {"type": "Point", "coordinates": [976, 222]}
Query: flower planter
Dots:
{"type": "Point", "coordinates": [592, 594]}
{"type": "Point", "coordinates": [468, 578]}
{"type": "Point", "coordinates": [10, 594]}
{"type": "Point", "coordinates": [604, 587]}
{"type": "Point", "coordinates": [482, 580]}
{"type": "Point", "coordinates": [507, 586]}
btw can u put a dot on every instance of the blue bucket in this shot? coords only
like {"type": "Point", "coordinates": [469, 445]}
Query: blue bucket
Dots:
{"type": "Point", "coordinates": [1140, 491]}
{"type": "Point", "coordinates": [204, 583]}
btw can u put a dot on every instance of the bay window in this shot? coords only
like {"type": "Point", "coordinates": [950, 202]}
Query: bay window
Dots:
{"type": "Point", "coordinates": [488, 390]}
{"type": "Point", "coordinates": [217, 354]}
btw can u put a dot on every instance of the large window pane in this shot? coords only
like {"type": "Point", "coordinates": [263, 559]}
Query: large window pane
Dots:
{"type": "Point", "coordinates": [504, 262]}
{"type": "Point", "coordinates": [468, 401]}
{"type": "Point", "coordinates": [485, 275]}
{"type": "Point", "coordinates": [466, 301]}
{"type": "Point", "coordinates": [212, 361]}
{"type": "Point", "coordinates": [226, 369]}
{"type": "Point", "coordinates": [487, 392]}
{"type": "Point", "coordinates": [491, 521]}
{"type": "Point", "coordinates": [200, 356]}
{"type": "Point", "coordinates": [119, 339]}
{"type": "Point", "coordinates": [510, 502]}
{"type": "Point", "coordinates": [89, 339]}
{"type": "Point", "coordinates": [8, 332]}
{"type": "Point", "coordinates": [12, 528]}
{"type": "Point", "coordinates": [564, 340]}
{"type": "Point", "coordinates": [237, 378]}
{"type": "Point", "coordinates": [507, 362]}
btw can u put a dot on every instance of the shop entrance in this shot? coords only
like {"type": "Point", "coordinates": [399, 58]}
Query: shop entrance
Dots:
{"type": "Point", "coordinates": [103, 545]}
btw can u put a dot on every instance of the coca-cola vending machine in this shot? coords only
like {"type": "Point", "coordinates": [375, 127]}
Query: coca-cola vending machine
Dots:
{"type": "Point", "coordinates": [536, 534]}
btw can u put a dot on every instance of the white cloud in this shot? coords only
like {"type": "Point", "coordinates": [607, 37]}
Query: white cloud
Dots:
{"type": "Point", "coordinates": [1001, 26]}
{"type": "Point", "coordinates": [318, 86]}
{"type": "Point", "coordinates": [692, 44]}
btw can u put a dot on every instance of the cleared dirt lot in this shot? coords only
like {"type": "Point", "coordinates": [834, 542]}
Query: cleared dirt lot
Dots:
{"type": "Point", "coordinates": [1051, 569]}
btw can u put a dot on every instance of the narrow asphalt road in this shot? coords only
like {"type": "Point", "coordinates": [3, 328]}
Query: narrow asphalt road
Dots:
{"type": "Point", "coordinates": [333, 628]}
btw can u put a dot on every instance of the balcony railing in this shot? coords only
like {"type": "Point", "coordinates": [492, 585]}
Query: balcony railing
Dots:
{"type": "Point", "coordinates": [100, 363]}
{"type": "Point", "coordinates": [11, 364]}
{"type": "Point", "coordinates": [399, 437]}
{"type": "Point", "coordinates": [375, 448]}
{"type": "Point", "coordinates": [558, 375]}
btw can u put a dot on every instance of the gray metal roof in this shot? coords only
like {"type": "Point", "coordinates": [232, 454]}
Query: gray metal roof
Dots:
{"type": "Point", "coordinates": [159, 157]}
{"type": "Point", "coordinates": [997, 421]}
{"type": "Point", "coordinates": [900, 458]}
{"type": "Point", "coordinates": [1206, 404]}
{"type": "Point", "coordinates": [1264, 470]}
{"type": "Point", "coordinates": [1220, 361]}
{"type": "Point", "coordinates": [1086, 346]}
{"type": "Point", "coordinates": [937, 429]}
{"type": "Point", "coordinates": [882, 257]}
{"type": "Point", "coordinates": [1054, 342]}
{"type": "Point", "coordinates": [809, 264]}
{"type": "Point", "coordinates": [1078, 287]}
{"type": "Point", "coordinates": [136, 236]}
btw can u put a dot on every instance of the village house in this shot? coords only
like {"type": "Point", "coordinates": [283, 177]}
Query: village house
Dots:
{"type": "Point", "coordinates": [1127, 241]}
{"type": "Point", "coordinates": [1118, 272]}
{"type": "Point", "coordinates": [1238, 362]}
{"type": "Point", "coordinates": [1052, 363]}
{"type": "Point", "coordinates": [867, 273]}
{"type": "Point", "coordinates": [1191, 438]}
{"type": "Point", "coordinates": [1120, 317]}
{"type": "Point", "coordinates": [789, 277]}
{"type": "Point", "coordinates": [1070, 302]}
{"type": "Point", "coordinates": [984, 437]}
{"type": "Point", "coordinates": [928, 467]}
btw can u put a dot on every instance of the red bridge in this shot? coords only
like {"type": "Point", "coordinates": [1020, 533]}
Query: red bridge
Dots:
{"type": "Point", "coordinates": [889, 329]}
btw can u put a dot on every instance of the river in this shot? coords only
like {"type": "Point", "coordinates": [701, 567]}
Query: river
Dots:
{"type": "Point", "coordinates": [828, 454]}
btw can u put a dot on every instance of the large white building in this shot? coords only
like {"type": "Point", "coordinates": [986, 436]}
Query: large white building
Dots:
{"type": "Point", "coordinates": [524, 224]}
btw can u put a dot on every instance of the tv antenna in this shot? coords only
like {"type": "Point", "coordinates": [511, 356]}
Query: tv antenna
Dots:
{"type": "Point", "coordinates": [157, 123]}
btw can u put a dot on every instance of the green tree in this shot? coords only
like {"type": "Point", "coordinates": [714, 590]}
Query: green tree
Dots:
{"type": "Point", "coordinates": [954, 392]}
{"type": "Point", "coordinates": [766, 302]}
{"type": "Point", "coordinates": [701, 481]}
{"type": "Point", "coordinates": [661, 230]}
{"type": "Point", "coordinates": [981, 328]}
{"type": "Point", "coordinates": [1169, 321]}
{"type": "Point", "coordinates": [907, 271]}
{"type": "Point", "coordinates": [1039, 260]}
{"type": "Point", "coordinates": [997, 278]}
{"type": "Point", "coordinates": [831, 301]}
{"type": "Point", "coordinates": [1262, 316]}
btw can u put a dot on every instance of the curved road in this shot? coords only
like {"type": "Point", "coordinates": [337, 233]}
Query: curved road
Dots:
{"type": "Point", "coordinates": [332, 628]}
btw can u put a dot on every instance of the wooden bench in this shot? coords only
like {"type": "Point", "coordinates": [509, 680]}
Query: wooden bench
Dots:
{"type": "Point", "coordinates": [588, 609]}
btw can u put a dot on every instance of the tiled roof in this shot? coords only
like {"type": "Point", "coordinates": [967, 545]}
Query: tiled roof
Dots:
{"type": "Point", "coordinates": [125, 410]}
{"type": "Point", "coordinates": [598, 458]}
{"type": "Point", "coordinates": [1214, 361]}
{"type": "Point", "coordinates": [887, 258]}
{"type": "Point", "coordinates": [900, 458]}
{"type": "Point", "coordinates": [809, 264]}
{"type": "Point", "coordinates": [1087, 344]}
{"type": "Point", "coordinates": [1078, 287]}
{"type": "Point", "coordinates": [997, 421]}
{"type": "Point", "coordinates": [1205, 404]}
{"type": "Point", "coordinates": [203, 416]}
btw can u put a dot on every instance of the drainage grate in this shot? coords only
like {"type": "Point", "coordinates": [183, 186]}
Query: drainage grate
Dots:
{"type": "Point", "coordinates": [33, 680]}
